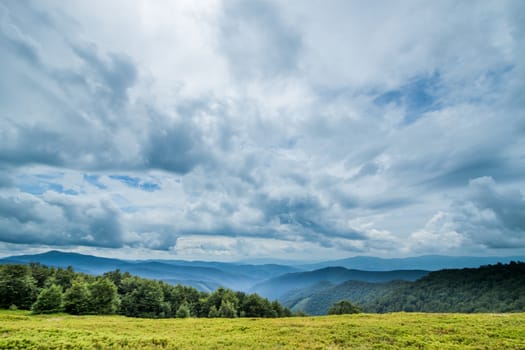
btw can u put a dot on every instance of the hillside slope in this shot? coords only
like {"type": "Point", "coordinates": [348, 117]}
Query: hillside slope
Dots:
{"type": "Point", "coordinates": [277, 287]}
{"type": "Point", "coordinates": [205, 276]}
{"type": "Point", "coordinates": [492, 288]}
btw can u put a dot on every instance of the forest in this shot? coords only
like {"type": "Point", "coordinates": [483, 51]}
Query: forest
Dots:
{"type": "Point", "coordinates": [490, 288]}
{"type": "Point", "coordinates": [43, 289]}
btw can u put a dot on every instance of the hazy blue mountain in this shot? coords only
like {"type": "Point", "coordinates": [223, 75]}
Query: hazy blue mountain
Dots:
{"type": "Point", "coordinates": [81, 263]}
{"type": "Point", "coordinates": [276, 287]}
{"type": "Point", "coordinates": [204, 276]}
{"type": "Point", "coordinates": [256, 272]}
{"type": "Point", "coordinates": [426, 262]}
{"type": "Point", "coordinates": [270, 280]}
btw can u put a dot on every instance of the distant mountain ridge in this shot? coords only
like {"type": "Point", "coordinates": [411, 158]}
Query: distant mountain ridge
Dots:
{"type": "Point", "coordinates": [270, 280]}
{"type": "Point", "coordinates": [205, 276]}
{"type": "Point", "coordinates": [424, 262]}
{"type": "Point", "coordinates": [278, 286]}
{"type": "Point", "coordinates": [317, 299]}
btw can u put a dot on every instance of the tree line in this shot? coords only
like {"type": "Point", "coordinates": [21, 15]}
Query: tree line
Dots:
{"type": "Point", "coordinates": [45, 289]}
{"type": "Point", "coordinates": [490, 288]}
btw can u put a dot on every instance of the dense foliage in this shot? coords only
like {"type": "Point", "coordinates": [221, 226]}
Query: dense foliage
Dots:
{"type": "Point", "coordinates": [316, 300]}
{"type": "Point", "coordinates": [492, 288]}
{"type": "Point", "coordinates": [344, 307]}
{"type": "Point", "coordinates": [47, 290]}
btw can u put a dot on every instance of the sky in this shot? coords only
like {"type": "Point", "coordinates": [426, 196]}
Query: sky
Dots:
{"type": "Point", "coordinates": [234, 130]}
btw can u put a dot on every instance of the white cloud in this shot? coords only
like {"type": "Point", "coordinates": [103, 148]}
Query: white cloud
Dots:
{"type": "Point", "coordinates": [339, 126]}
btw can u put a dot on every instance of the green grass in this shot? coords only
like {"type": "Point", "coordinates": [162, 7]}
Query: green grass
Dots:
{"type": "Point", "coordinates": [20, 330]}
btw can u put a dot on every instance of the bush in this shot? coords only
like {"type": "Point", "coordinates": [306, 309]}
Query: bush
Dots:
{"type": "Point", "coordinates": [344, 307]}
{"type": "Point", "coordinates": [227, 310]}
{"type": "Point", "coordinates": [103, 297]}
{"type": "Point", "coordinates": [48, 301]}
{"type": "Point", "coordinates": [76, 298]}
{"type": "Point", "coordinates": [183, 311]}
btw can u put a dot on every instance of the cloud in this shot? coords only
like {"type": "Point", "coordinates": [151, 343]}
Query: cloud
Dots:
{"type": "Point", "coordinates": [117, 73]}
{"type": "Point", "coordinates": [57, 219]}
{"type": "Point", "coordinates": [256, 41]}
{"type": "Point", "coordinates": [490, 216]}
{"type": "Point", "coordinates": [485, 216]}
{"type": "Point", "coordinates": [174, 146]}
{"type": "Point", "coordinates": [345, 127]}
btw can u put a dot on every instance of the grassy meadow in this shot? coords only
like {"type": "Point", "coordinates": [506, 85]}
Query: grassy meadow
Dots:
{"type": "Point", "coordinates": [20, 330]}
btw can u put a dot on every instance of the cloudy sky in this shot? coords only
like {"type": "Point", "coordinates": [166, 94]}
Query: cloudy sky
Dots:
{"type": "Point", "coordinates": [230, 130]}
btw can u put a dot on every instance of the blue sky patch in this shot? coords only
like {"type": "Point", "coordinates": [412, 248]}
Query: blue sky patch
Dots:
{"type": "Point", "coordinates": [94, 180]}
{"type": "Point", "coordinates": [418, 97]}
{"type": "Point", "coordinates": [135, 182]}
{"type": "Point", "coordinates": [39, 188]}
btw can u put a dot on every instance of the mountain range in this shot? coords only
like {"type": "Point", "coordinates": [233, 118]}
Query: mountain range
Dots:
{"type": "Point", "coordinates": [276, 287]}
{"type": "Point", "coordinates": [205, 276]}
{"type": "Point", "coordinates": [276, 281]}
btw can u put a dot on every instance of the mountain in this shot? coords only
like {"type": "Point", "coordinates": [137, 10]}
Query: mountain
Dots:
{"type": "Point", "coordinates": [491, 288]}
{"type": "Point", "coordinates": [258, 272]}
{"type": "Point", "coordinates": [204, 276]}
{"type": "Point", "coordinates": [270, 280]}
{"type": "Point", "coordinates": [425, 262]}
{"type": "Point", "coordinates": [81, 263]}
{"type": "Point", "coordinates": [276, 287]}
{"type": "Point", "coordinates": [317, 299]}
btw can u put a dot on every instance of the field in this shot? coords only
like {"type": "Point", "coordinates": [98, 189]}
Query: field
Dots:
{"type": "Point", "coordinates": [20, 330]}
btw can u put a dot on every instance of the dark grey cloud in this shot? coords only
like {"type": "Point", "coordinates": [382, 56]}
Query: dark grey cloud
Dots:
{"type": "Point", "coordinates": [490, 216]}
{"type": "Point", "coordinates": [30, 144]}
{"type": "Point", "coordinates": [59, 220]}
{"type": "Point", "coordinates": [471, 168]}
{"type": "Point", "coordinates": [385, 204]}
{"type": "Point", "coordinates": [174, 146]}
{"type": "Point", "coordinates": [307, 217]}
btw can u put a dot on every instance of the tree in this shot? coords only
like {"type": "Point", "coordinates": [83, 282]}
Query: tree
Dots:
{"type": "Point", "coordinates": [146, 299]}
{"type": "Point", "coordinates": [213, 312]}
{"type": "Point", "coordinates": [40, 273]}
{"type": "Point", "coordinates": [103, 297]}
{"type": "Point", "coordinates": [344, 307]}
{"type": "Point", "coordinates": [256, 306]}
{"type": "Point", "coordinates": [17, 287]}
{"type": "Point", "coordinates": [64, 277]}
{"type": "Point", "coordinates": [183, 311]}
{"type": "Point", "coordinates": [77, 298]}
{"type": "Point", "coordinates": [118, 277]}
{"type": "Point", "coordinates": [49, 300]}
{"type": "Point", "coordinates": [227, 309]}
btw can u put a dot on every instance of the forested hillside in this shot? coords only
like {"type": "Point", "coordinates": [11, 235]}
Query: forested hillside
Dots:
{"type": "Point", "coordinates": [492, 288]}
{"type": "Point", "coordinates": [47, 289]}
{"type": "Point", "coordinates": [277, 287]}
{"type": "Point", "coordinates": [317, 299]}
